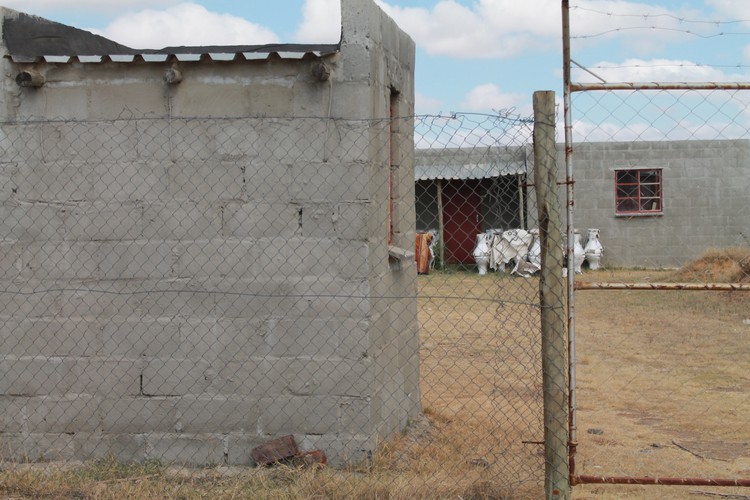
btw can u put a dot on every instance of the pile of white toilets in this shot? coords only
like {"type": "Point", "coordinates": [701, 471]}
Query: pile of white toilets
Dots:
{"type": "Point", "coordinates": [496, 248]}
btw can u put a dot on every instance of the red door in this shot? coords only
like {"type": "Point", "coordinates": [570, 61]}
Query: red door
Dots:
{"type": "Point", "coordinates": [462, 220]}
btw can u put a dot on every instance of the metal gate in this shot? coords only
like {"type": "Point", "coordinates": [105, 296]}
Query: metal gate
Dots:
{"type": "Point", "coordinates": [658, 328]}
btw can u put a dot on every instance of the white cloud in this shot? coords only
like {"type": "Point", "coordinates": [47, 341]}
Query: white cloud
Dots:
{"type": "Point", "coordinates": [507, 28]}
{"type": "Point", "coordinates": [321, 22]}
{"type": "Point", "coordinates": [426, 104]}
{"type": "Point", "coordinates": [653, 70]}
{"type": "Point", "coordinates": [455, 30]}
{"type": "Point", "coordinates": [584, 131]}
{"type": "Point", "coordinates": [489, 97]}
{"type": "Point", "coordinates": [731, 9]}
{"type": "Point", "coordinates": [642, 26]}
{"type": "Point", "coordinates": [184, 24]}
{"type": "Point", "coordinates": [694, 129]}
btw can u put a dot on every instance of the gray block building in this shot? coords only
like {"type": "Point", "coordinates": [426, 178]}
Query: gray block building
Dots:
{"type": "Point", "coordinates": [204, 248]}
{"type": "Point", "coordinates": [663, 203]}
{"type": "Point", "coordinates": [657, 204]}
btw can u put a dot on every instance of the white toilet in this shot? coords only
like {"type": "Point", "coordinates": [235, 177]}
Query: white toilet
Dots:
{"type": "Point", "coordinates": [579, 254]}
{"type": "Point", "coordinates": [482, 253]}
{"type": "Point", "coordinates": [594, 249]}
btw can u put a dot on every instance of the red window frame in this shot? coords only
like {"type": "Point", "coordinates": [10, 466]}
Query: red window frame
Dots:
{"type": "Point", "coordinates": [638, 191]}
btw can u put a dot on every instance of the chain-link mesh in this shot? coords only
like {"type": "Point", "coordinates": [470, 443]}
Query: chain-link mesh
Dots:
{"type": "Point", "coordinates": [479, 319]}
{"type": "Point", "coordinates": [189, 290]}
{"type": "Point", "coordinates": [662, 179]}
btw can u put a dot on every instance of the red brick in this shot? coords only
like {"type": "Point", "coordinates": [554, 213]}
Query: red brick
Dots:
{"type": "Point", "coordinates": [275, 450]}
{"type": "Point", "coordinates": [314, 458]}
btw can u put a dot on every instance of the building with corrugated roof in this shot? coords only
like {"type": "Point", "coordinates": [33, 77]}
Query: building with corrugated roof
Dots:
{"type": "Point", "coordinates": [656, 204]}
{"type": "Point", "coordinates": [462, 192]}
{"type": "Point", "coordinates": [197, 244]}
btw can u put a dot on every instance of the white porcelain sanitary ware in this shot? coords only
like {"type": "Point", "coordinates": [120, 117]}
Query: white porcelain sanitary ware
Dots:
{"type": "Point", "coordinates": [593, 249]}
{"type": "Point", "coordinates": [482, 252]}
{"type": "Point", "coordinates": [579, 254]}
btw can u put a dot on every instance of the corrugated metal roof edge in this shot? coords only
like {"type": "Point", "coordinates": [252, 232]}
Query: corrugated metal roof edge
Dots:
{"type": "Point", "coordinates": [460, 172]}
{"type": "Point", "coordinates": [428, 177]}
{"type": "Point", "coordinates": [157, 57]}
{"type": "Point", "coordinates": [33, 39]}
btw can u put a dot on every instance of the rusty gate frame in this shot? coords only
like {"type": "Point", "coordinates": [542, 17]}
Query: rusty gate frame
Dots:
{"type": "Point", "coordinates": [568, 88]}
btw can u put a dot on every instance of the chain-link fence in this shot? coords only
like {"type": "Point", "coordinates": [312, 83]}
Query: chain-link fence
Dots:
{"type": "Point", "coordinates": [189, 291]}
{"type": "Point", "coordinates": [662, 326]}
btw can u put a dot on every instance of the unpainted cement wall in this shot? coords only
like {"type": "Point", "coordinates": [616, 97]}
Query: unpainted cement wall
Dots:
{"type": "Point", "coordinates": [186, 288]}
{"type": "Point", "coordinates": [705, 203]}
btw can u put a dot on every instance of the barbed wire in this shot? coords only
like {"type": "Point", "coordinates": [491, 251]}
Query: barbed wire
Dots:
{"type": "Point", "coordinates": [662, 22]}
{"type": "Point", "coordinates": [657, 28]}
{"type": "Point", "coordinates": [681, 65]}
{"type": "Point", "coordinates": [668, 16]}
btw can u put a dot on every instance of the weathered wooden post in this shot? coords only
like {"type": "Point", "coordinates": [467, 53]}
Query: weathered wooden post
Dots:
{"type": "Point", "coordinates": [441, 224]}
{"type": "Point", "coordinates": [552, 301]}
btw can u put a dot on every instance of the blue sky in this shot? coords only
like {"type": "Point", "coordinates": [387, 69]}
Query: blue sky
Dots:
{"type": "Point", "coordinates": [473, 55]}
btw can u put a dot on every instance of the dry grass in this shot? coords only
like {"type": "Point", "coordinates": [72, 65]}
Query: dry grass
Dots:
{"type": "Point", "coordinates": [481, 399]}
{"type": "Point", "coordinates": [663, 390]}
{"type": "Point", "coordinates": [728, 265]}
{"type": "Point", "coordinates": [664, 379]}
{"type": "Point", "coordinates": [280, 482]}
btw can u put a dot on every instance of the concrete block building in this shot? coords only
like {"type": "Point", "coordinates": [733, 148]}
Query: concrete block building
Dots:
{"type": "Point", "coordinates": [471, 191]}
{"type": "Point", "coordinates": [657, 204]}
{"type": "Point", "coordinates": [662, 203]}
{"type": "Point", "coordinates": [204, 248]}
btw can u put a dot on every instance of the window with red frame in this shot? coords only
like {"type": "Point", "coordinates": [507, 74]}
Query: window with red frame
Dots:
{"type": "Point", "coordinates": [638, 191]}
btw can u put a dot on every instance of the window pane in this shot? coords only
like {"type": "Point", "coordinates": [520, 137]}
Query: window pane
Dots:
{"type": "Point", "coordinates": [627, 176]}
{"type": "Point", "coordinates": [638, 191]}
{"type": "Point", "coordinates": [627, 205]}
{"type": "Point", "coordinates": [649, 176]}
{"type": "Point", "coordinates": [649, 191]}
{"type": "Point", "coordinates": [650, 204]}
{"type": "Point", "coordinates": [627, 191]}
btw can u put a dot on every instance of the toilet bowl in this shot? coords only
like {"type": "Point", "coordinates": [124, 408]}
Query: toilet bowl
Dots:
{"type": "Point", "coordinates": [579, 254]}
{"type": "Point", "coordinates": [593, 249]}
{"type": "Point", "coordinates": [482, 253]}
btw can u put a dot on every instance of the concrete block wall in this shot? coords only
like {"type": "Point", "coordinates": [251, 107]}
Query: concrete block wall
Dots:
{"type": "Point", "coordinates": [395, 396]}
{"type": "Point", "coordinates": [705, 186]}
{"type": "Point", "coordinates": [185, 288]}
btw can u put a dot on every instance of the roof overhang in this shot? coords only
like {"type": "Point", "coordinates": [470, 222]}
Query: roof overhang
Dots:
{"type": "Point", "coordinates": [469, 163]}
{"type": "Point", "coordinates": [32, 39]}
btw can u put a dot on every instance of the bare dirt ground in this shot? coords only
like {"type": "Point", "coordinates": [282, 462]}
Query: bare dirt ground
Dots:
{"type": "Point", "coordinates": [664, 383]}
{"type": "Point", "coordinates": [663, 378]}
{"type": "Point", "coordinates": [481, 380]}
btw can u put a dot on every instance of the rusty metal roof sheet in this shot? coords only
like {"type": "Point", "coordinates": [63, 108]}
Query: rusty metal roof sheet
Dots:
{"type": "Point", "coordinates": [32, 39]}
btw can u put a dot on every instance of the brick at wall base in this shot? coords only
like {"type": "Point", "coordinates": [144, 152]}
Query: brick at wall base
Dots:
{"type": "Point", "coordinates": [275, 450]}
{"type": "Point", "coordinates": [314, 458]}
{"type": "Point", "coordinates": [284, 449]}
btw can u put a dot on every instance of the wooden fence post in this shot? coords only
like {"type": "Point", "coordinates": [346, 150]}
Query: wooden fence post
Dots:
{"type": "Point", "coordinates": [552, 301]}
